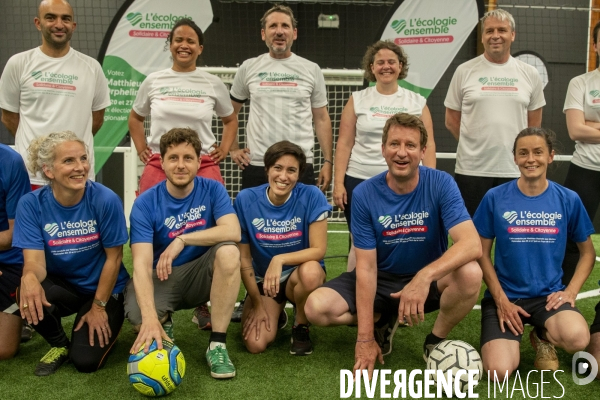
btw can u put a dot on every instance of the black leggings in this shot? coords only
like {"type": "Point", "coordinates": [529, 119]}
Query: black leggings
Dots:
{"type": "Point", "coordinates": [65, 301]}
{"type": "Point", "coordinates": [586, 183]}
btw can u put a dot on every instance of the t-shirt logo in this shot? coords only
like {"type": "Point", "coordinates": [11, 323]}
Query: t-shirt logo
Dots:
{"type": "Point", "coordinates": [595, 94]}
{"type": "Point", "coordinates": [263, 75]}
{"type": "Point", "coordinates": [36, 74]}
{"type": "Point", "coordinates": [170, 222]}
{"type": "Point", "coordinates": [51, 228]}
{"type": "Point", "coordinates": [483, 80]}
{"type": "Point", "coordinates": [385, 220]}
{"type": "Point", "coordinates": [510, 216]}
{"type": "Point", "coordinates": [259, 223]}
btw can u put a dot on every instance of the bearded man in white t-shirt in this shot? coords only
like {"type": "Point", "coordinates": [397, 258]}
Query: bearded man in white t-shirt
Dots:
{"type": "Point", "coordinates": [490, 100]}
{"type": "Point", "coordinates": [53, 87]}
{"type": "Point", "coordinates": [287, 94]}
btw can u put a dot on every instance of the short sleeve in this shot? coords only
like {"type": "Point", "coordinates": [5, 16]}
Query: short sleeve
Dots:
{"type": "Point", "coordinates": [223, 107]}
{"type": "Point", "coordinates": [362, 228]}
{"type": "Point", "coordinates": [10, 88]}
{"type": "Point", "coordinates": [239, 88]}
{"type": "Point", "coordinates": [239, 207]}
{"type": "Point", "coordinates": [453, 210]}
{"type": "Point", "coordinates": [318, 98]}
{"type": "Point", "coordinates": [575, 95]}
{"type": "Point", "coordinates": [141, 105]}
{"type": "Point", "coordinates": [221, 202]}
{"type": "Point", "coordinates": [484, 217]}
{"type": "Point", "coordinates": [454, 97]}
{"type": "Point", "coordinates": [537, 95]}
{"type": "Point", "coordinates": [317, 204]}
{"type": "Point", "coordinates": [18, 185]}
{"type": "Point", "coordinates": [102, 93]}
{"type": "Point", "coordinates": [27, 232]}
{"type": "Point", "coordinates": [140, 222]}
{"type": "Point", "coordinates": [112, 225]}
{"type": "Point", "coordinates": [579, 225]}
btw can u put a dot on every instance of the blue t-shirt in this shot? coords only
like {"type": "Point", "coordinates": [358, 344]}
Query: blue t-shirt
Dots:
{"type": "Point", "coordinates": [271, 230]}
{"type": "Point", "coordinates": [409, 231]}
{"type": "Point", "coordinates": [158, 218]}
{"type": "Point", "coordinates": [73, 238]}
{"type": "Point", "coordinates": [14, 183]}
{"type": "Point", "coordinates": [531, 235]}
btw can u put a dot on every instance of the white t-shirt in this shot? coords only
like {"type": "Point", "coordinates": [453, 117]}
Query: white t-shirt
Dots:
{"type": "Point", "coordinates": [584, 95]}
{"type": "Point", "coordinates": [53, 94]}
{"type": "Point", "coordinates": [372, 110]}
{"type": "Point", "coordinates": [182, 100]}
{"type": "Point", "coordinates": [283, 93]}
{"type": "Point", "coordinates": [493, 100]}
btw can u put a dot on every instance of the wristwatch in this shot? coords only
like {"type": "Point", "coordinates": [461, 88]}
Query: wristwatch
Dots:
{"type": "Point", "coordinates": [100, 303]}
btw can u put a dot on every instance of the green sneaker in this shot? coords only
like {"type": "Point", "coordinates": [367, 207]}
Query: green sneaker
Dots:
{"type": "Point", "coordinates": [52, 361]}
{"type": "Point", "coordinates": [220, 365]}
{"type": "Point", "coordinates": [168, 328]}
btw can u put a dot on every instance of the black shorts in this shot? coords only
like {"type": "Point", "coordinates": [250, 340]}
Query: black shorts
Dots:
{"type": "Point", "coordinates": [350, 183]}
{"type": "Point", "coordinates": [490, 324]}
{"type": "Point", "coordinates": [473, 188]}
{"type": "Point", "coordinates": [387, 283]}
{"type": "Point", "coordinates": [281, 297]}
{"type": "Point", "coordinates": [254, 175]}
{"type": "Point", "coordinates": [9, 281]}
{"type": "Point", "coordinates": [596, 324]}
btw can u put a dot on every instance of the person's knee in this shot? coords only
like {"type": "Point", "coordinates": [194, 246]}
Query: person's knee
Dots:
{"type": "Point", "coordinates": [84, 363]}
{"type": "Point", "coordinates": [498, 373]}
{"type": "Point", "coordinates": [311, 277]}
{"type": "Point", "coordinates": [227, 259]}
{"type": "Point", "coordinates": [574, 340]}
{"type": "Point", "coordinates": [316, 308]}
{"type": "Point", "coordinates": [8, 352]}
{"type": "Point", "coordinates": [256, 346]}
{"type": "Point", "coordinates": [469, 277]}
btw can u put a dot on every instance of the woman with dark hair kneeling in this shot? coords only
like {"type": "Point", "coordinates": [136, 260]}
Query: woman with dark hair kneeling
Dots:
{"type": "Point", "coordinates": [284, 239]}
{"type": "Point", "coordinates": [531, 219]}
{"type": "Point", "coordinates": [72, 233]}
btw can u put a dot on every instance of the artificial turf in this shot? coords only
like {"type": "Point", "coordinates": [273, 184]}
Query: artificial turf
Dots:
{"type": "Point", "coordinates": [276, 374]}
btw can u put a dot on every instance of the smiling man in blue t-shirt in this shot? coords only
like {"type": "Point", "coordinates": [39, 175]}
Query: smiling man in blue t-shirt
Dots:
{"type": "Point", "coordinates": [400, 222]}
{"type": "Point", "coordinates": [183, 234]}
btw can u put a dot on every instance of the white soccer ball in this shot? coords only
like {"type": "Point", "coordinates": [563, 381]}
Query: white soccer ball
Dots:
{"type": "Point", "coordinates": [455, 355]}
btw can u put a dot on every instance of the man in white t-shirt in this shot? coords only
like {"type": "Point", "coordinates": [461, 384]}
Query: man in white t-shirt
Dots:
{"type": "Point", "coordinates": [53, 87]}
{"type": "Point", "coordinates": [287, 94]}
{"type": "Point", "coordinates": [490, 100]}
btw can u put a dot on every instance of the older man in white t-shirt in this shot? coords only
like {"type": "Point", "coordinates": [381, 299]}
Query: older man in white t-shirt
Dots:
{"type": "Point", "coordinates": [53, 87]}
{"type": "Point", "coordinates": [287, 94]}
{"type": "Point", "coordinates": [491, 98]}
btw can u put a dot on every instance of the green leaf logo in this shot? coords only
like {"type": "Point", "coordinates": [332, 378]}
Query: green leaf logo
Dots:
{"type": "Point", "coordinates": [134, 18]}
{"type": "Point", "coordinates": [398, 25]}
{"type": "Point", "coordinates": [36, 74]}
{"type": "Point", "coordinates": [374, 109]}
{"type": "Point", "coordinates": [262, 75]}
{"type": "Point", "coordinates": [483, 80]}
{"type": "Point", "coordinates": [595, 93]}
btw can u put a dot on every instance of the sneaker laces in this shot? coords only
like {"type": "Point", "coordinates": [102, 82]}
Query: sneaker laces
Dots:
{"type": "Point", "coordinates": [54, 354]}
{"type": "Point", "coordinates": [219, 355]}
{"type": "Point", "coordinates": [301, 333]}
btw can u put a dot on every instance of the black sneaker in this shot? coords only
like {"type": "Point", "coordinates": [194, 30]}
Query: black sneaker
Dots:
{"type": "Point", "coordinates": [301, 344]}
{"type": "Point", "coordinates": [385, 334]}
{"type": "Point", "coordinates": [26, 332]}
{"type": "Point", "coordinates": [52, 361]}
{"type": "Point", "coordinates": [237, 313]}
{"type": "Point", "coordinates": [283, 320]}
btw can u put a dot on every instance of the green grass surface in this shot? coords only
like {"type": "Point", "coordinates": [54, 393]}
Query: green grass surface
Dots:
{"type": "Point", "coordinates": [275, 374]}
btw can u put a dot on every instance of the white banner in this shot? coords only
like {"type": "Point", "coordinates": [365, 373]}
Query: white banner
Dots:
{"type": "Point", "coordinates": [137, 48]}
{"type": "Point", "coordinates": [431, 32]}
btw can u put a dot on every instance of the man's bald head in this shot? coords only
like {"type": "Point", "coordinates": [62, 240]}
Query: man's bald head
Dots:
{"type": "Point", "coordinates": [56, 23]}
